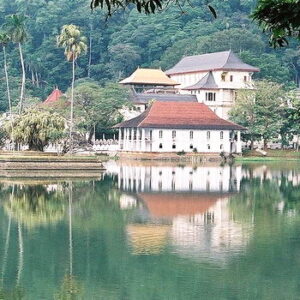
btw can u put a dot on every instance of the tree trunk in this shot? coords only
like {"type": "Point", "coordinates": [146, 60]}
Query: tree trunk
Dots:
{"type": "Point", "coordinates": [23, 79]}
{"type": "Point", "coordinates": [8, 96]}
{"type": "Point", "coordinates": [252, 144]}
{"type": "Point", "coordinates": [91, 134]}
{"type": "Point", "coordinates": [265, 144]}
{"type": "Point", "coordinates": [72, 104]}
{"type": "Point", "coordinates": [90, 52]}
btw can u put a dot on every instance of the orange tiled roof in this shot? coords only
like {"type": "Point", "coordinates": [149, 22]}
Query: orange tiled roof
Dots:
{"type": "Point", "coordinates": [179, 115]}
{"type": "Point", "coordinates": [53, 97]}
{"type": "Point", "coordinates": [149, 76]}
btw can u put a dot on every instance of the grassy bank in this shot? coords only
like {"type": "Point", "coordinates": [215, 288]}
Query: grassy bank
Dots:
{"type": "Point", "coordinates": [272, 155]}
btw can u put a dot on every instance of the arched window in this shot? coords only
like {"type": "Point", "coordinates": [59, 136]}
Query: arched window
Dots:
{"type": "Point", "coordinates": [208, 135]}
{"type": "Point", "coordinates": [221, 135]}
{"type": "Point", "coordinates": [173, 134]}
{"type": "Point", "coordinates": [191, 135]}
{"type": "Point", "coordinates": [160, 134]}
{"type": "Point", "coordinates": [160, 146]}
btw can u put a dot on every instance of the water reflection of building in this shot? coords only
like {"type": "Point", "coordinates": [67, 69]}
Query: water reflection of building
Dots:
{"type": "Point", "coordinates": [182, 207]}
{"type": "Point", "coordinates": [136, 178]}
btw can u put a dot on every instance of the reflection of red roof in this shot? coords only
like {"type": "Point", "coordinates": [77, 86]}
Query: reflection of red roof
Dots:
{"type": "Point", "coordinates": [53, 97]}
{"type": "Point", "coordinates": [179, 115]}
{"type": "Point", "coordinates": [172, 205]}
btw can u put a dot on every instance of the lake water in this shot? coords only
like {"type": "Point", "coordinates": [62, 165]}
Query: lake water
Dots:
{"type": "Point", "coordinates": [145, 231]}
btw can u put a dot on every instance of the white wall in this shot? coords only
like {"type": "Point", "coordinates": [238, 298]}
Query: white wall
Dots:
{"type": "Point", "coordinates": [182, 141]}
{"type": "Point", "coordinates": [238, 81]}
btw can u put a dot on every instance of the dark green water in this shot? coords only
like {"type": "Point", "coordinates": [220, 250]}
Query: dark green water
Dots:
{"type": "Point", "coordinates": [154, 232]}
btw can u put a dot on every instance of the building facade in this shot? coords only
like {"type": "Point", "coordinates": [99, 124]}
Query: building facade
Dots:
{"type": "Point", "coordinates": [179, 126]}
{"type": "Point", "coordinates": [214, 78]}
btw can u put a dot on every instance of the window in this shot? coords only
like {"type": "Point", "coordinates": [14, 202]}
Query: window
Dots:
{"type": "Point", "coordinates": [160, 146]}
{"type": "Point", "coordinates": [223, 76]}
{"type": "Point", "coordinates": [210, 96]}
{"type": "Point", "coordinates": [173, 146]}
{"type": "Point", "coordinates": [231, 78]}
{"type": "Point", "coordinates": [208, 135]}
{"type": "Point", "coordinates": [221, 135]}
{"type": "Point", "coordinates": [134, 134]}
{"type": "Point", "coordinates": [150, 135]}
{"type": "Point", "coordinates": [191, 135]}
{"type": "Point", "coordinates": [208, 147]}
{"type": "Point", "coordinates": [245, 78]}
{"type": "Point", "coordinates": [173, 134]}
{"type": "Point", "coordinates": [221, 147]}
{"type": "Point", "coordinates": [191, 146]}
{"type": "Point", "coordinates": [160, 134]}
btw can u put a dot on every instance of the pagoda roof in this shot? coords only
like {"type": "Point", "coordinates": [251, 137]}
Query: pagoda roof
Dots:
{"type": "Point", "coordinates": [179, 115]}
{"type": "Point", "coordinates": [225, 60]}
{"type": "Point", "coordinates": [53, 97]}
{"type": "Point", "coordinates": [149, 77]}
{"type": "Point", "coordinates": [206, 83]}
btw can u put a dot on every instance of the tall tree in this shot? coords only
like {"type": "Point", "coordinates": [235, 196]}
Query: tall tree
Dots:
{"type": "Point", "coordinates": [259, 110]}
{"type": "Point", "coordinates": [4, 40]}
{"type": "Point", "coordinates": [74, 43]}
{"type": "Point", "coordinates": [98, 107]}
{"type": "Point", "coordinates": [15, 27]}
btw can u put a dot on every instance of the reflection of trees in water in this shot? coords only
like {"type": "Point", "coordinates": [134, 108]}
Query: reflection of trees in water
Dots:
{"type": "Point", "coordinates": [265, 198]}
{"type": "Point", "coordinates": [18, 291]}
{"type": "Point", "coordinates": [70, 287]}
{"type": "Point", "coordinates": [35, 205]}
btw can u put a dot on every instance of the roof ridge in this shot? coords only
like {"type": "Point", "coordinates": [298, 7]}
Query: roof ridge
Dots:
{"type": "Point", "coordinates": [147, 111]}
{"type": "Point", "coordinates": [229, 53]}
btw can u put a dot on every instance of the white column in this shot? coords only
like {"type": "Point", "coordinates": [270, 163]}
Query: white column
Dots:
{"type": "Point", "coordinates": [238, 143]}
{"type": "Point", "coordinates": [143, 148]}
{"type": "Point", "coordinates": [137, 144]}
{"type": "Point", "coordinates": [125, 139]}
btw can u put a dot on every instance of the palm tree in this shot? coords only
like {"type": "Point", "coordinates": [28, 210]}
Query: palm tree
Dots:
{"type": "Point", "coordinates": [4, 40]}
{"type": "Point", "coordinates": [15, 27]}
{"type": "Point", "coordinates": [74, 43]}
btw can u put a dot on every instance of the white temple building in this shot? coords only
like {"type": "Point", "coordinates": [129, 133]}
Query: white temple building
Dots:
{"type": "Point", "coordinates": [179, 126]}
{"type": "Point", "coordinates": [212, 78]}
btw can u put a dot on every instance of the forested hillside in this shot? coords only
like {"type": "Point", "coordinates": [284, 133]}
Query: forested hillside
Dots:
{"type": "Point", "coordinates": [129, 39]}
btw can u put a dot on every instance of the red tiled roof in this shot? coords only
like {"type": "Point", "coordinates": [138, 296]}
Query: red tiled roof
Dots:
{"type": "Point", "coordinates": [179, 115]}
{"type": "Point", "coordinates": [171, 205]}
{"type": "Point", "coordinates": [53, 97]}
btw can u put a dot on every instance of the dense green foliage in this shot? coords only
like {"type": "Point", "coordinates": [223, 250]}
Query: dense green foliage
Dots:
{"type": "Point", "coordinates": [37, 128]}
{"type": "Point", "coordinates": [129, 39]}
{"type": "Point", "coordinates": [97, 108]}
{"type": "Point", "coordinates": [267, 111]}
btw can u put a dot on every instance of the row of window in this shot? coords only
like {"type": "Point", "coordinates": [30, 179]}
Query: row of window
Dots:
{"type": "Point", "coordinates": [160, 146]}
{"type": "Point", "coordinates": [160, 134]}
{"type": "Point", "coordinates": [223, 77]}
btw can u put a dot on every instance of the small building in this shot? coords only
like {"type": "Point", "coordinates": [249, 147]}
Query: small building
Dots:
{"type": "Point", "coordinates": [53, 97]}
{"type": "Point", "coordinates": [214, 78]}
{"type": "Point", "coordinates": [179, 126]}
{"type": "Point", "coordinates": [149, 79]}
